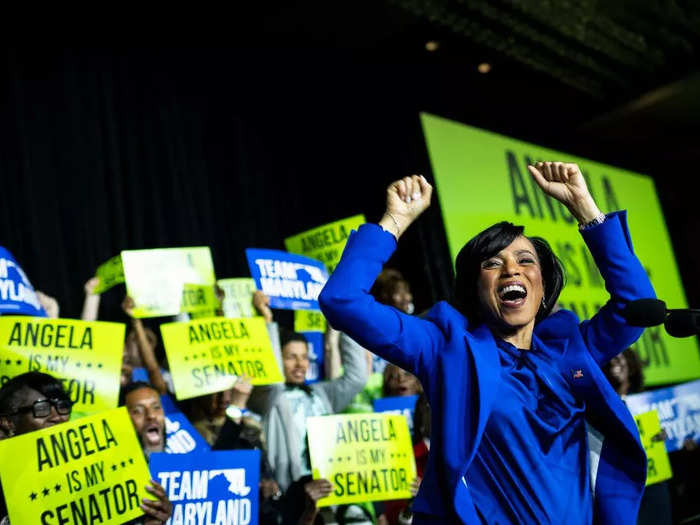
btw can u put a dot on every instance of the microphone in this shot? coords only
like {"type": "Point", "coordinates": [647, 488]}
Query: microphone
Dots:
{"type": "Point", "coordinates": [653, 312]}
{"type": "Point", "coordinates": [682, 323]}
{"type": "Point", "coordinates": [645, 312]}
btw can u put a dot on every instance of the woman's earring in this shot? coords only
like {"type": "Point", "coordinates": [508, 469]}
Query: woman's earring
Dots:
{"type": "Point", "coordinates": [544, 303]}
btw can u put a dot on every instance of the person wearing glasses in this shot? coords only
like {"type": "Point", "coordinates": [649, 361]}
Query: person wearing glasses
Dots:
{"type": "Point", "coordinates": [34, 401]}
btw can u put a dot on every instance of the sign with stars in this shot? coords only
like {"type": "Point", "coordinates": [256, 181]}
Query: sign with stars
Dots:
{"type": "Point", "coordinates": [208, 355]}
{"type": "Point", "coordinates": [90, 470]}
{"type": "Point", "coordinates": [85, 356]}
{"type": "Point", "coordinates": [366, 457]}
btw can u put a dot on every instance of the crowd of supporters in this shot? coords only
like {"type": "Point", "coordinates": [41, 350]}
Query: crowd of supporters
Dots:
{"type": "Point", "coordinates": [269, 418]}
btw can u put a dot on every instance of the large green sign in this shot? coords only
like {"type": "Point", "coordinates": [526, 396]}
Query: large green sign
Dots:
{"type": "Point", "coordinates": [482, 178]}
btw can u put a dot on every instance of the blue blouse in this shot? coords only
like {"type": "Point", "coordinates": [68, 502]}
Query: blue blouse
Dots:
{"type": "Point", "coordinates": [532, 463]}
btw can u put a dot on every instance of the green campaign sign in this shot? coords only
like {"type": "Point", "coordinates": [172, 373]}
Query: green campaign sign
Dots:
{"type": "Point", "coordinates": [324, 243]}
{"type": "Point", "coordinates": [482, 178]}
{"type": "Point", "coordinates": [110, 274]}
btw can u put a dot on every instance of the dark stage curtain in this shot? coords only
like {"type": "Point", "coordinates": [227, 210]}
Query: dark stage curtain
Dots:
{"type": "Point", "coordinates": [108, 150]}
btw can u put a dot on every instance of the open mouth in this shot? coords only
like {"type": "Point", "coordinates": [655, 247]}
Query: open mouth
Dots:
{"type": "Point", "coordinates": [512, 295]}
{"type": "Point", "coordinates": [153, 435]}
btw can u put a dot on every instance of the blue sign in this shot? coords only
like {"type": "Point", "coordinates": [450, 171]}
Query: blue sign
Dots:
{"type": "Point", "coordinates": [292, 282]}
{"type": "Point", "coordinates": [405, 405]}
{"type": "Point", "coordinates": [679, 411]}
{"type": "Point", "coordinates": [314, 373]}
{"type": "Point", "coordinates": [17, 295]}
{"type": "Point", "coordinates": [210, 487]}
{"type": "Point", "coordinates": [180, 436]}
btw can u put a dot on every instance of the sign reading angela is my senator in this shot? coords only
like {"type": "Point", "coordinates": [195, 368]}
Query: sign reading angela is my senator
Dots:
{"type": "Point", "coordinates": [324, 243]}
{"type": "Point", "coordinates": [17, 294]}
{"type": "Point", "coordinates": [292, 282]}
{"type": "Point", "coordinates": [91, 470]}
{"type": "Point", "coordinates": [208, 355]}
{"type": "Point", "coordinates": [367, 457]}
{"type": "Point", "coordinates": [482, 178]}
{"type": "Point", "coordinates": [678, 408]}
{"type": "Point", "coordinates": [211, 487]}
{"type": "Point", "coordinates": [85, 356]}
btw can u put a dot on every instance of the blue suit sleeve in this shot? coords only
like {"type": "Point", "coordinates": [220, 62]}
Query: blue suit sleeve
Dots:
{"type": "Point", "coordinates": [407, 341]}
{"type": "Point", "coordinates": [607, 333]}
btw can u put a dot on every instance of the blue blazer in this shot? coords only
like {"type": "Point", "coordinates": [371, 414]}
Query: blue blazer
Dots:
{"type": "Point", "coordinates": [457, 363]}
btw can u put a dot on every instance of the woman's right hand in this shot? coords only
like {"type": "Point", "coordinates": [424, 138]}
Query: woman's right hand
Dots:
{"type": "Point", "coordinates": [406, 199]}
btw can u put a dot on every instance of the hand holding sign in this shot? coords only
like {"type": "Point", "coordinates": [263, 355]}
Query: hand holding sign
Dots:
{"type": "Point", "coordinates": [157, 511]}
{"type": "Point", "coordinates": [406, 199]}
{"type": "Point", "coordinates": [565, 182]}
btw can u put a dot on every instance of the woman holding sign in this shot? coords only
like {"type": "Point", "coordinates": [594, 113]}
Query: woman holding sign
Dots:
{"type": "Point", "coordinates": [510, 385]}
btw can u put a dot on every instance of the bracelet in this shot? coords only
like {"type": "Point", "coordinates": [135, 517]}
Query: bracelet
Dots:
{"type": "Point", "coordinates": [396, 223]}
{"type": "Point", "coordinates": [600, 219]}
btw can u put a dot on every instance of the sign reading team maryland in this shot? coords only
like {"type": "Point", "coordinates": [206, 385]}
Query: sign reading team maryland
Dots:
{"type": "Point", "coordinates": [658, 464]}
{"type": "Point", "coordinates": [156, 280]}
{"type": "Point", "coordinates": [367, 457]}
{"type": "Point", "coordinates": [482, 178]}
{"type": "Point", "coordinates": [238, 297]}
{"type": "Point", "coordinates": [90, 470]}
{"type": "Point", "coordinates": [324, 243]}
{"type": "Point", "coordinates": [207, 355]}
{"type": "Point", "coordinates": [85, 356]}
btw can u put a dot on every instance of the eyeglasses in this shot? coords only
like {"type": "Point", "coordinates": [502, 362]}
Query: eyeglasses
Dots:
{"type": "Point", "coordinates": [42, 407]}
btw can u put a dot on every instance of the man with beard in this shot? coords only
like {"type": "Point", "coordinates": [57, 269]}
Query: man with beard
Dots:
{"type": "Point", "coordinates": [143, 403]}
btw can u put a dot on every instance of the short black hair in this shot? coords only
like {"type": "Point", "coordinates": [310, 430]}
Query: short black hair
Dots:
{"type": "Point", "coordinates": [289, 336]}
{"type": "Point", "coordinates": [47, 385]}
{"type": "Point", "coordinates": [487, 244]}
{"type": "Point", "coordinates": [132, 386]}
{"type": "Point", "coordinates": [387, 282]}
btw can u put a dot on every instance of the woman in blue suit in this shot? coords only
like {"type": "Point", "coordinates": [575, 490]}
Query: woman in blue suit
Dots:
{"type": "Point", "coordinates": [513, 388]}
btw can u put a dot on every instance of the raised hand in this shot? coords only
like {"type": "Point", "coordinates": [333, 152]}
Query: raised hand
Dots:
{"type": "Point", "coordinates": [128, 306]}
{"type": "Point", "coordinates": [241, 391]}
{"type": "Point", "coordinates": [90, 285]}
{"type": "Point", "coordinates": [406, 199]}
{"type": "Point", "coordinates": [565, 182]}
{"type": "Point", "coordinates": [261, 303]}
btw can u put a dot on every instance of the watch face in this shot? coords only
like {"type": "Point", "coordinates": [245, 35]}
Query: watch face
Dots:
{"type": "Point", "coordinates": [234, 412]}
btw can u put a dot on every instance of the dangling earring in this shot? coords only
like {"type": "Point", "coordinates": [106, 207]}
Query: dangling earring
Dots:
{"type": "Point", "coordinates": [544, 303]}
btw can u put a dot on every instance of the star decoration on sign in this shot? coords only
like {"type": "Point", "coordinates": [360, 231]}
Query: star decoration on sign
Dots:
{"type": "Point", "coordinates": [114, 467]}
{"type": "Point", "coordinates": [123, 464]}
{"type": "Point", "coordinates": [99, 365]}
{"type": "Point", "coordinates": [19, 362]}
{"type": "Point", "coordinates": [57, 487]}
{"type": "Point", "coordinates": [131, 461]}
{"type": "Point", "coordinates": [33, 496]}
{"type": "Point", "coordinates": [45, 491]}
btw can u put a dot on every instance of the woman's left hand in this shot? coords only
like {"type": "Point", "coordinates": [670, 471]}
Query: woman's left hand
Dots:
{"type": "Point", "coordinates": [565, 182]}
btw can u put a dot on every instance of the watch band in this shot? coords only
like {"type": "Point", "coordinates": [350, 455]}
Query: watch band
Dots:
{"type": "Point", "coordinates": [600, 219]}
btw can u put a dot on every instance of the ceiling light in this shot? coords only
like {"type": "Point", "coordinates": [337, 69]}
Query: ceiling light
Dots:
{"type": "Point", "coordinates": [484, 67]}
{"type": "Point", "coordinates": [432, 45]}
